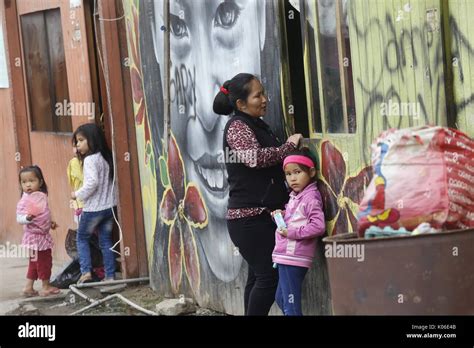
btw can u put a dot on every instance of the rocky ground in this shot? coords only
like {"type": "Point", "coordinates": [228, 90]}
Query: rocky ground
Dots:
{"type": "Point", "coordinates": [68, 303]}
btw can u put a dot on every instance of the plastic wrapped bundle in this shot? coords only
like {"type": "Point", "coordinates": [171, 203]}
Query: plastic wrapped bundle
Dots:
{"type": "Point", "coordinates": [423, 174]}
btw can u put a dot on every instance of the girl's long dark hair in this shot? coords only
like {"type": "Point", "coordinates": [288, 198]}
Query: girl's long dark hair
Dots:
{"type": "Point", "coordinates": [96, 142]}
{"type": "Point", "coordinates": [39, 174]}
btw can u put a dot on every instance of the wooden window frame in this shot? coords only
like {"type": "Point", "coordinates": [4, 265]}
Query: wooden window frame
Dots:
{"type": "Point", "coordinates": [56, 127]}
{"type": "Point", "coordinates": [343, 72]}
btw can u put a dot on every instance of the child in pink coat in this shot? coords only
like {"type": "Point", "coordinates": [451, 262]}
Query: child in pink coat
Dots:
{"type": "Point", "coordinates": [34, 214]}
{"type": "Point", "coordinates": [295, 244]}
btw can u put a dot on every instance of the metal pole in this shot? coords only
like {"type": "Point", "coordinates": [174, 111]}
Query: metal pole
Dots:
{"type": "Point", "coordinates": [112, 282]}
{"type": "Point", "coordinates": [120, 297]}
{"type": "Point", "coordinates": [94, 303]}
{"type": "Point", "coordinates": [167, 59]}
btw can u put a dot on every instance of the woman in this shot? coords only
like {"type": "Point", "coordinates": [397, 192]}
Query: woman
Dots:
{"type": "Point", "coordinates": [257, 184]}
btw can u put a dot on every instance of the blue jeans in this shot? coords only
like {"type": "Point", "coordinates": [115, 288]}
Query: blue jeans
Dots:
{"type": "Point", "coordinates": [288, 295]}
{"type": "Point", "coordinates": [103, 222]}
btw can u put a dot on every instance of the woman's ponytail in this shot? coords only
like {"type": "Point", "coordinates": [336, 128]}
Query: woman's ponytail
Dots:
{"type": "Point", "coordinates": [222, 104]}
{"type": "Point", "coordinates": [225, 101]}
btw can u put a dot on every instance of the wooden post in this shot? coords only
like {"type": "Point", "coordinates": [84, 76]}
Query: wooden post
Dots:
{"type": "Point", "coordinates": [132, 142]}
{"type": "Point", "coordinates": [319, 68]}
{"type": "Point", "coordinates": [18, 84]}
{"type": "Point", "coordinates": [341, 49]}
{"type": "Point", "coordinates": [308, 70]}
{"type": "Point", "coordinates": [133, 249]}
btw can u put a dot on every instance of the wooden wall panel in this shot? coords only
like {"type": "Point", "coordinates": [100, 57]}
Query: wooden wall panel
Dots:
{"type": "Point", "coordinates": [52, 151]}
{"type": "Point", "coordinates": [9, 229]}
{"type": "Point", "coordinates": [75, 48]}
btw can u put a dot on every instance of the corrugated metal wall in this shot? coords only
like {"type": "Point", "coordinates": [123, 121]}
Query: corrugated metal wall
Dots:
{"type": "Point", "coordinates": [460, 38]}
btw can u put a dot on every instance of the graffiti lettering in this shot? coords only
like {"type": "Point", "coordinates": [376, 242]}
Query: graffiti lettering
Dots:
{"type": "Point", "coordinates": [183, 88]}
{"type": "Point", "coordinates": [418, 49]}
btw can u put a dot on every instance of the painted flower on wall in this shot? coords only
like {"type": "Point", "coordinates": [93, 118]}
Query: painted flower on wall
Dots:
{"type": "Point", "coordinates": [135, 66]}
{"type": "Point", "coordinates": [136, 77]}
{"type": "Point", "coordinates": [341, 193]}
{"type": "Point", "coordinates": [183, 209]}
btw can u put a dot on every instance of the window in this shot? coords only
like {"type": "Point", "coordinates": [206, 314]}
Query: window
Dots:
{"type": "Point", "coordinates": [308, 34]}
{"type": "Point", "coordinates": [295, 75]}
{"type": "Point", "coordinates": [45, 67]}
{"type": "Point", "coordinates": [329, 56]}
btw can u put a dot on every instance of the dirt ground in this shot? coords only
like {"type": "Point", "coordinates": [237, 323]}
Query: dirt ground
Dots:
{"type": "Point", "coordinates": [68, 303]}
{"type": "Point", "coordinates": [12, 281]}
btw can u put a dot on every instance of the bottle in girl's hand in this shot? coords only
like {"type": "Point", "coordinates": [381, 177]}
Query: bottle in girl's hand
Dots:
{"type": "Point", "coordinates": [278, 216]}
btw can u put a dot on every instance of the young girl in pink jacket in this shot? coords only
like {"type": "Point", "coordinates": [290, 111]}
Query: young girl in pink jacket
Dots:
{"type": "Point", "coordinates": [34, 214]}
{"type": "Point", "coordinates": [295, 244]}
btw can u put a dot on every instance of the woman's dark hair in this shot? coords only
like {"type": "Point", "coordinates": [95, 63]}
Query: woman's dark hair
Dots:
{"type": "Point", "coordinates": [239, 88]}
{"type": "Point", "coordinates": [96, 142]}
{"type": "Point", "coordinates": [38, 173]}
{"type": "Point", "coordinates": [304, 152]}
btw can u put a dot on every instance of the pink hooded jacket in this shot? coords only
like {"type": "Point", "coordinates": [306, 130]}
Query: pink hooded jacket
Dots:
{"type": "Point", "coordinates": [304, 219]}
{"type": "Point", "coordinates": [36, 234]}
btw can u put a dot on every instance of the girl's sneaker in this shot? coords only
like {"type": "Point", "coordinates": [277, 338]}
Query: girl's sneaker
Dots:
{"type": "Point", "coordinates": [85, 278]}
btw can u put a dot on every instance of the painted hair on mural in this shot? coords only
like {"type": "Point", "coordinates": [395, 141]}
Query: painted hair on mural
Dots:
{"type": "Point", "coordinates": [237, 88]}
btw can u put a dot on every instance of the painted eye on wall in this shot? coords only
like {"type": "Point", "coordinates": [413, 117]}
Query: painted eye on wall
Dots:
{"type": "Point", "coordinates": [226, 15]}
{"type": "Point", "coordinates": [178, 27]}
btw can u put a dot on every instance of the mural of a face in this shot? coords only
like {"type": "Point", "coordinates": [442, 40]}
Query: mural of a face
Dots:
{"type": "Point", "coordinates": [211, 41]}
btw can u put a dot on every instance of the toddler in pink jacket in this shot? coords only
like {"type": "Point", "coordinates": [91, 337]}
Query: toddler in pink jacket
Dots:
{"type": "Point", "coordinates": [295, 244]}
